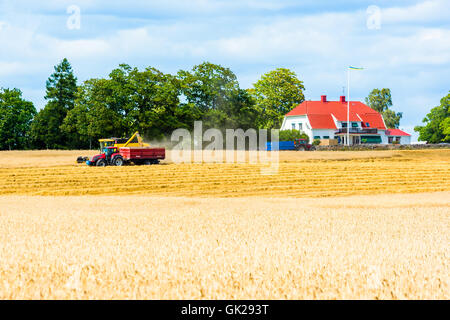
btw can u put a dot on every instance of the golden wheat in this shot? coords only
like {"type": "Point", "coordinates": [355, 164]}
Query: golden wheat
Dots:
{"type": "Point", "coordinates": [108, 247]}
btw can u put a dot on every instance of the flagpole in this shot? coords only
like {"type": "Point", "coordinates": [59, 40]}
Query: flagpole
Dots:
{"type": "Point", "coordinates": [348, 107]}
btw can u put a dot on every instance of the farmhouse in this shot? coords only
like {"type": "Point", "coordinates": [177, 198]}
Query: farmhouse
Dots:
{"type": "Point", "coordinates": [327, 121]}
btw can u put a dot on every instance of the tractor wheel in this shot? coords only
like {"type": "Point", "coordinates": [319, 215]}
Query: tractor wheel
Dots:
{"type": "Point", "coordinates": [313, 148]}
{"type": "Point", "coordinates": [301, 148]}
{"type": "Point", "coordinates": [147, 162]}
{"type": "Point", "coordinates": [118, 161]}
{"type": "Point", "coordinates": [101, 163]}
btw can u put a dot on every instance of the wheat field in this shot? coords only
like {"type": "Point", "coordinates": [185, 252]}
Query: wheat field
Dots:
{"type": "Point", "coordinates": [328, 225]}
{"type": "Point", "coordinates": [111, 247]}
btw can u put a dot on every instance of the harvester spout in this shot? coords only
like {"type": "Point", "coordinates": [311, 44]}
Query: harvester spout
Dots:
{"type": "Point", "coordinates": [139, 138]}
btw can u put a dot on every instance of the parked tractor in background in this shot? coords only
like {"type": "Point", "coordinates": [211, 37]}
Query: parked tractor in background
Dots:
{"type": "Point", "coordinates": [303, 145]}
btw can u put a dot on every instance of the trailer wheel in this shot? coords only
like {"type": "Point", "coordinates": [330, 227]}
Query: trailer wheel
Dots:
{"type": "Point", "coordinates": [118, 161]}
{"type": "Point", "coordinates": [147, 162]}
{"type": "Point", "coordinates": [101, 163]}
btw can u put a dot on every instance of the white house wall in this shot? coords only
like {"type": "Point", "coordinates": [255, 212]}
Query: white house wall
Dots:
{"type": "Point", "coordinates": [405, 140]}
{"type": "Point", "coordinates": [322, 133]}
{"type": "Point", "coordinates": [384, 137]}
{"type": "Point", "coordinates": [306, 127]}
{"type": "Point", "coordinates": [288, 121]}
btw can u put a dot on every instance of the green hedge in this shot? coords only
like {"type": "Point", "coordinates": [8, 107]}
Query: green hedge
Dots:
{"type": "Point", "coordinates": [291, 135]}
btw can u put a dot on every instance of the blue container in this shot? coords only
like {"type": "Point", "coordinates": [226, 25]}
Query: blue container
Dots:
{"type": "Point", "coordinates": [282, 145]}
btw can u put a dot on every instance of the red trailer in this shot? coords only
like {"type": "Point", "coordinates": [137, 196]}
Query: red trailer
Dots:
{"type": "Point", "coordinates": [142, 155]}
{"type": "Point", "coordinates": [118, 157]}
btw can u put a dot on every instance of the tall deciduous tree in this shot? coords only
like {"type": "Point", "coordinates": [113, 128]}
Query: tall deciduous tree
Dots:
{"type": "Point", "coordinates": [212, 94]}
{"type": "Point", "coordinates": [16, 115]}
{"type": "Point", "coordinates": [381, 101]}
{"type": "Point", "coordinates": [277, 93]}
{"type": "Point", "coordinates": [208, 85]}
{"type": "Point", "coordinates": [240, 112]}
{"type": "Point", "coordinates": [60, 95]}
{"type": "Point", "coordinates": [155, 101]}
{"type": "Point", "coordinates": [127, 101]}
{"type": "Point", "coordinates": [92, 117]}
{"type": "Point", "coordinates": [445, 127]}
{"type": "Point", "coordinates": [437, 123]}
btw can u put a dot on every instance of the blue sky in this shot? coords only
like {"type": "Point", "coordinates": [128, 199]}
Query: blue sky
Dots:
{"type": "Point", "coordinates": [403, 45]}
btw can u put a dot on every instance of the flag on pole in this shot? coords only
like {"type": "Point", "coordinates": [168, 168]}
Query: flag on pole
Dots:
{"type": "Point", "coordinates": [348, 102]}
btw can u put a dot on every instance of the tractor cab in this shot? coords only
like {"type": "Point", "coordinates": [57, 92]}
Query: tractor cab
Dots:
{"type": "Point", "coordinates": [109, 151]}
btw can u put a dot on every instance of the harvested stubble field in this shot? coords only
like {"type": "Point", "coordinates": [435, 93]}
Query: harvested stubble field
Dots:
{"type": "Point", "coordinates": [185, 234]}
{"type": "Point", "coordinates": [307, 174]}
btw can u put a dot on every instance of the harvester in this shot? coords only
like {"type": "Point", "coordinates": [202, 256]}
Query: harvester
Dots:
{"type": "Point", "coordinates": [134, 141]}
{"type": "Point", "coordinates": [118, 143]}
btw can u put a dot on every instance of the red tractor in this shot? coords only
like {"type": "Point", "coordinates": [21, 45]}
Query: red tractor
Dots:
{"type": "Point", "coordinates": [110, 156]}
{"type": "Point", "coordinates": [303, 145]}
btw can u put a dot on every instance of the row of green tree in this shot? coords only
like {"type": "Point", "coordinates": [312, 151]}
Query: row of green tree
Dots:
{"type": "Point", "coordinates": [154, 103]}
{"type": "Point", "coordinates": [149, 101]}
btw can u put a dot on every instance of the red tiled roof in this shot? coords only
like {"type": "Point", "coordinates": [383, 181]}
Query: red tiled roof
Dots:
{"type": "Point", "coordinates": [374, 119]}
{"type": "Point", "coordinates": [358, 112]}
{"type": "Point", "coordinates": [397, 132]}
{"type": "Point", "coordinates": [321, 121]}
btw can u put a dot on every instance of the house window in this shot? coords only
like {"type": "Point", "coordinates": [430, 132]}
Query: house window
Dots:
{"type": "Point", "coordinates": [354, 124]}
{"type": "Point", "coordinates": [316, 137]}
{"type": "Point", "coordinates": [368, 124]}
{"type": "Point", "coordinates": [390, 139]}
{"type": "Point", "coordinates": [293, 126]}
{"type": "Point", "coordinates": [326, 137]}
{"type": "Point", "coordinates": [344, 124]}
{"type": "Point", "coordinates": [300, 126]}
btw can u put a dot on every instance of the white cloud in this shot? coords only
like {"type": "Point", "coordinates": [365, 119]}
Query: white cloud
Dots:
{"type": "Point", "coordinates": [409, 54]}
{"type": "Point", "coordinates": [426, 11]}
{"type": "Point", "coordinates": [84, 48]}
{"type": "Point", "coordinates": [292, 38]}
{"type": "Point", "coordinates": [3, 25]}
{"type": "Point", "coordinates": [9, 68]}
